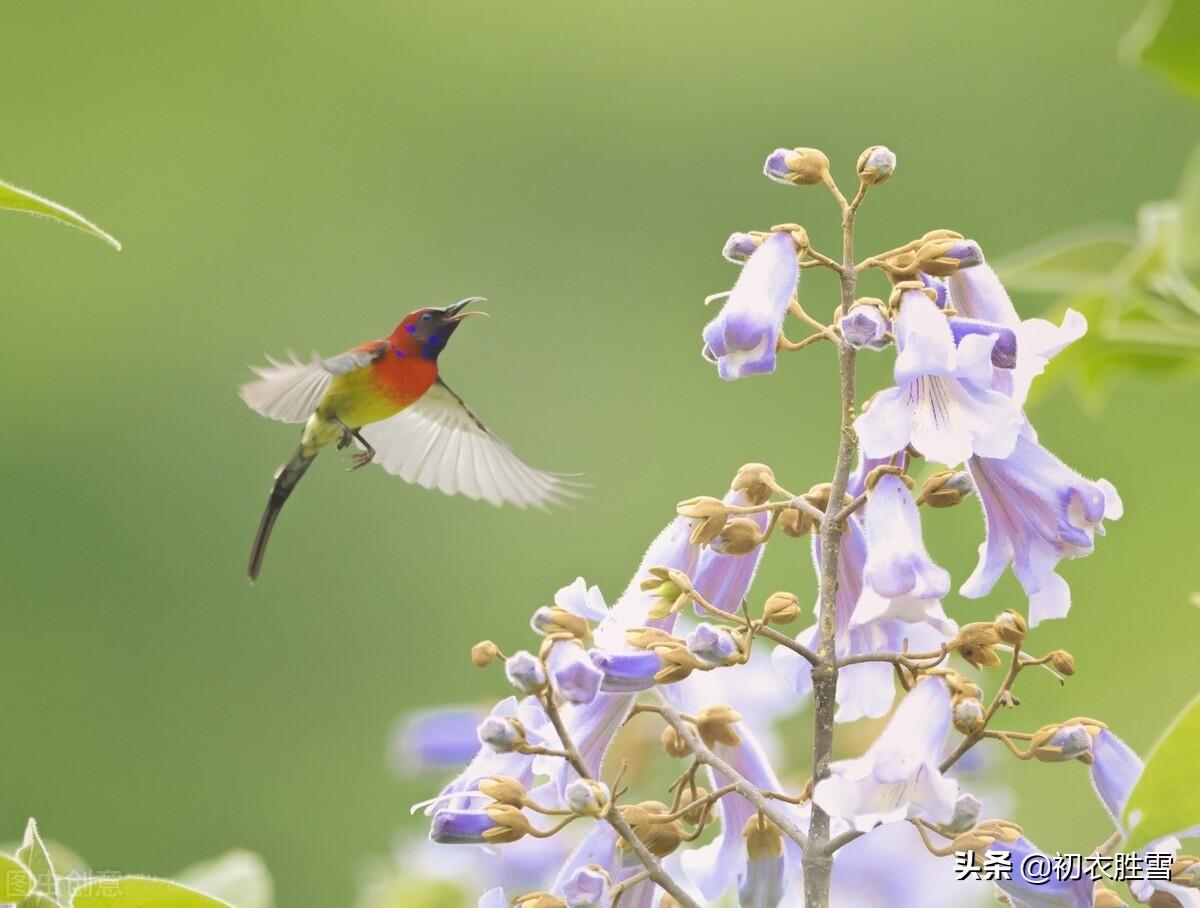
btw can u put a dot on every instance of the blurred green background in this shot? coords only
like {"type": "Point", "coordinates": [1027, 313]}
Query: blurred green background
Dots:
{"type": "Point", "coordinates": [300, 175]}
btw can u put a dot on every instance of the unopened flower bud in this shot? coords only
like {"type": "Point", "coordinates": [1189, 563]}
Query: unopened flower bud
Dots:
{"type": "Point", "coordinates": [865, 325]}
{"type": "Point", "coordinates": [968, 715]}
{"type": "Point", "coordinates": [686, 799]}
{"type": "Point", "coordinates": [979, 656]}
{"type": "Point", "coordinates": [715, 725]}
{"type": "Point", "coordinates": [796, 166]}
{"type": "Point", "coordinates": [661, 839]}
{"type": "Point", "coordinates": [946, 488]}
{"type": "Point", "coordinates": [1185, 871]}
{"type": "Point", "coordinates": [540, 900]}
{"type": "Point", "coordinates": [709, 515]}
{"type": "Point", "coordinates": [588, 887]}
{"type": "Point", "coordinates": [649, 637]}
{"type": "Point", "coordinates": [1106, 898]}
{"type": "Point", "coordinates": [510, 824]}
{"type": "Point", "coordinates": [461, 827]}
{"type": "Point", "coordinates": [967, 252]}
{"type": "Point", "coordinates": [781, 608]}
{"type": "Point", "coordinates": [504, 790]}
{"type": "Point", "coordinates": [526, 672]}
{"type": "Point", "coordinates": [588, 798]}
{"type": "Point", "coordinates": [876, 164]}
{"type": "Point", "coordinates": [484, 653]}
{"type": "Point", "coordinates": [740, 246]}
{"type": "Point", "coordinates": [1063, 662]}
{"type": "Point", "coordinates": [741, 536]}
{"type": "Point", "coordinates": [673, 744]}
{"type": "Point", "coordinates": [502, 734]}
{"type": "Point", "coordinates": [764, 840]}
{"type": "Point", "coordinates": [934, 258]}
{"type": "Point", "coordinates": [714, 646]}
{"type": "Point", "coordinates": [1061, 743]}
{"type": "Point", "coordinates": [555, 620]}
{"type": "Point", "coordinates": [756, 481]}
{"type": "Point", "coordinates": [678, 662]}
{"type": "Point", "coordinates": [979, 633]}
{"type": "Point", "coordinates": [966, 813]}
{"type": "Point", "coordinates": [572, 673]}
{"type": "Point", "coordinates": [1010, 626]}
{"type": "Point", "coordinates": [795, 522]}
{"type": "Point", "coordinates": [986, 834]}
{"type": "Point", "coordinates": [798, 234]}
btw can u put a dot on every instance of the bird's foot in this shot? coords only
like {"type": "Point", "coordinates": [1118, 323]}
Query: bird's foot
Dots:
{"type": "Point", "coordinates": [361, 459]}
{"type": "Point", "coordinates": [345, 440]}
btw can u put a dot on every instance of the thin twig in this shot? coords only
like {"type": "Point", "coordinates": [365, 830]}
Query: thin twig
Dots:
{"type": "Point", "coordinates": [741, 784]}
{"type": "Point", "coordinates": [653, 868]}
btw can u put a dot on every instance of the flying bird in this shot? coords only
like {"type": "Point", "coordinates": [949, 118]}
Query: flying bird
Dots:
{"type": "Point", "coordinates": [388, 397]}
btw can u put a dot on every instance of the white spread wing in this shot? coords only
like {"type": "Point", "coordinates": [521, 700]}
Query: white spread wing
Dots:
{"type": "Point", "coordinates": [440, 444]}
{"type": "Point", "coordinates": [290, 391]}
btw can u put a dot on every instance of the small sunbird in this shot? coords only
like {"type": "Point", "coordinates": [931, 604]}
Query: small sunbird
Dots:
{"type": "Point", "coordinates": [387, 395]}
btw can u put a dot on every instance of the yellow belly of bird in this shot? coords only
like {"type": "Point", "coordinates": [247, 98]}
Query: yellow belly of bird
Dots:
{"type": "Point", "coordinates": [353, 400]}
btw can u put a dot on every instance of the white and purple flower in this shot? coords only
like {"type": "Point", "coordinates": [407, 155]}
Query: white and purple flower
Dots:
{"type": "Point", "coordinates": [741, 339]}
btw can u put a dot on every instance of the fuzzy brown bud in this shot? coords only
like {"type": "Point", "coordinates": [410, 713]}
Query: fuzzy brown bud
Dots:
{"type": "Point", "coordinates": [979, 656]}
{"type": "Point", "coordinates": [1185, 871]}
{"type": "Point", "coordinates": [649, 637]}
{"type": "Point", "coordinates": [484, 653]}
{"type": "Point", "coordinates": [756, 481]}
{"type": "Point", "coordinates": [764, 840]}
{"type": "Point", "coordinates": [1106, 898]}
{"type": "Point", "coordinates": [986, 834]}
{"type": "Point", "coordinates": [876, 164]}
{"type": "Point", "coordinates": [781, 608]}
{"type": "Point", "coordinates": [715, 725]}
{"type": "Point", "coordinates": [709, 515]}
{"type": "Point", "coordinates": [795, 522]}
{"type": "Point", "coordinates": [659, 838]}
{"type": "Point", "coordinates": [1063, 662]}
{"type": "Point", "coordinates": [504, 790]}
{"type": "Point", "coordinates": [673, 744]}
{"type": "Point", "coordinates": [800, 166]}
{"type": "Point", "coordinates": [687, 799]}
{"type": "Point", "coordinates": [931, 258]}
{"type": "Point", "coordinates": [1011, 626]}
{"type": "Point", "coordinates": [968, 715]}
{"type": "Point", "coordinates": [945, 489]}
{"type": "Point", "coordinates": [554, 621]}
{"type": "Point", "coordinates": [511, 824]}
{"type": "Point", "coordinates": [741, 536]}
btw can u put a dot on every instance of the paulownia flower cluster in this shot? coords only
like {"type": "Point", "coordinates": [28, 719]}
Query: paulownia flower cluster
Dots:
{"type": "Point", "coordinates": [690, 651]}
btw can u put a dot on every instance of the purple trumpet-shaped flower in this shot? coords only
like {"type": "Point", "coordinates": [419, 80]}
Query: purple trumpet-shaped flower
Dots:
{"type": "Point", "coordinates": [865, 689]}
{"type": "Point", "coordinates": [627, 672]}
{"type": "Point", "coordinates": [461, 827]}
{"type": "Point", "coordinates": [1037, 511]}
{"type": "Point", "coordinates": [942, 404]}
{"type": "Point", "coordinates": [588, 887]}
{"type": "Point", "coordinates": [740, 246]}
{"type": "Point", "coordinates": [1037, 882]}
{"type": "Point", "coordinates": [898, 777]}
{"type": "Point", "coordinates": [741, 339]}
{"type": "Point", "coordinates": [900, 579]}
{"type": "Point", "coordinates": [714, 646]}
{"type": "Point", "coordinates": [572, 674]}
{"type": "Point", "coordinates": [435, 739]}
{"type": "Point", "coordinates": [1004, 351]}
{"type": "Point", "coordinates": [491, 761]}
{"type": "Point", "coordinates": [890, 867]}
{"type": "Point", "coordinates": [587, 877]}
{"type": "Point", "coordinates": [976, 293]}
{"type": "Point", "coordinates": [580, 599]}
{"type": "Point", "coordinates": [864, 327]}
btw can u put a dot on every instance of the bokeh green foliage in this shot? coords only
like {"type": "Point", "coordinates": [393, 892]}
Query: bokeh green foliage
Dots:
{"type": "Point", "coordinates": [300, 175]}
{"type": "Point", "coordinates": [41, 874]}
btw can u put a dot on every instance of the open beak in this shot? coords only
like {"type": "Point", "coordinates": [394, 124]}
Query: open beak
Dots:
{"type": "Point", "coordinates": [455, 313]}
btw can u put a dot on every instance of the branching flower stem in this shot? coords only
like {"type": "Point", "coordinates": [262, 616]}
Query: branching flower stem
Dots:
{"type": "Point", "coordinates": [654, 870]}
{"type": "Point", "coordinates": [818, 859]}
{"type": "Point", "coordinates": [704, 754]}
{"type": "Point", "coordinates": [1002, 696]}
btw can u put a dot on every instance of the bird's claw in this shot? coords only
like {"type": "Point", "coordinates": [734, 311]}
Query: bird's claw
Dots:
{"type": "Point", "coordinates": [360, 460]}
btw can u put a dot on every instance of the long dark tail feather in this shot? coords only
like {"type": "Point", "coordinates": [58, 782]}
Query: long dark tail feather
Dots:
{"type": "Point", "coordinates": [287, 477]}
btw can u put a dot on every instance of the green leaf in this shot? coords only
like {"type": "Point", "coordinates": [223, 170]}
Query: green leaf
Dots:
{"type": "Point", "coordinates": [16, 881]}
{"type": "Point", "coordinates": [1166, 799]}
{"type": "Point", "coordinates": [16, 199]}
{"type": "Point", "coordinates": [1188, 236]}
{"type": "Point", "coordinates": [33, 854]}
{"type": "Point", "coordinates": [239, 877]}
{"type": "Point", "coordinates": [141, 892]}
{"type": "Point", "coordinates": [1068, 263]}
{"type": "Point", "coordinates": [1166, 40]}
